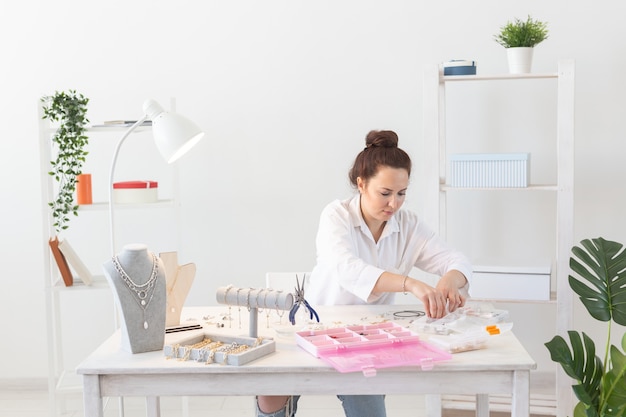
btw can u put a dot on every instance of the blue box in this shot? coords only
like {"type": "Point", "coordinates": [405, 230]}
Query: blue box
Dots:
{"type": "Point", "coordinates": [459, 67]}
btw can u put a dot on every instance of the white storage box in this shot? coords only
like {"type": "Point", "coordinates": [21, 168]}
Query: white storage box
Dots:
{"type": "Point", "coordinates": [490, 170]}
{"type": "Point", "coordinates": [135, 192]}
{"type": "Point", "coordinates": [511, 283]}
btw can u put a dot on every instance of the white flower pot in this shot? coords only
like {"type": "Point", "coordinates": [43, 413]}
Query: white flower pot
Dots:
{"type": "Point", "coordinates": [520, 60]}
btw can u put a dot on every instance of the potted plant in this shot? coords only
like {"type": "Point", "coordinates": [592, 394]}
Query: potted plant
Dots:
{"type": "Point", "coordinates": [69, 109]}
{"type": "Point", "coordinates": [599, 384]}
{"type": "Point", "coordinates": [519, 38]}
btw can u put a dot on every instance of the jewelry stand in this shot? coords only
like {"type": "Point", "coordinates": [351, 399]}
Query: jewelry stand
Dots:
{"type": "Point", "coordinates": [137, 279]}
{"type": "Point", "coordinates": [178, 279]}
{"type": "Point", "coordinates": [253, 299]}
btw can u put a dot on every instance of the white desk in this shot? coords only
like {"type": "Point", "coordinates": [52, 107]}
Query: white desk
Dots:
{"type": "Point", "coordinates": [502, 368]}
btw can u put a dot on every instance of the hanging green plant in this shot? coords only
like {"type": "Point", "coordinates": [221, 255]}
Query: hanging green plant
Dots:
{"type": "Point", "coordinates": [70, 110]}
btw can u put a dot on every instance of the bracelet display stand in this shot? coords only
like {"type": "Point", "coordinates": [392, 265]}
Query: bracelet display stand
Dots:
{"type": "Point", "coordinates": [253, 299]}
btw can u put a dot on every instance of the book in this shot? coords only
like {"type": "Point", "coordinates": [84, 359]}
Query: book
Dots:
{"type": "Point", "coordinates": [61, 262]}
{"type": "Point", "coordinates": [459, 63]}
{"type": "Point", "coordinates": [74, 261]}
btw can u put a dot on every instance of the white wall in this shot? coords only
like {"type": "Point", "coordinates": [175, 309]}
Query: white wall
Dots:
{"type": "Point", "coordinates": [286, 91]}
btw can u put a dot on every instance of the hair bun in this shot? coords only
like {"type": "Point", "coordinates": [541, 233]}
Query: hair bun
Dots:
{"type": "Point", "coordinates": [381, 139]}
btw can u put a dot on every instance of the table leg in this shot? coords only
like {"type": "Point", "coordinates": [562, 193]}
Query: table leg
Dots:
{"type": "Point", "coordinates": [433, 405]}
{"type": "Point", "coordinates": [482, 405]}
{"type": "Point", "coordinates": [153, 407]}
{"type": "Point", "coordinates": [92, 397]}
{"type": "Point", "coordinates": [185, 406]}
{"type": "Point", "coordinates": [520, 403]}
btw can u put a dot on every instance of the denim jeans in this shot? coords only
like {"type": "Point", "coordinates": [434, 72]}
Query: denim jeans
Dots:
{"type": "Point", "coordinates": [353, 406]}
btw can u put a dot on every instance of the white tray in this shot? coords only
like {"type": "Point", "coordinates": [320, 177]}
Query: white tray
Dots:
{"type": "Point", "coordinates": [257, 348]}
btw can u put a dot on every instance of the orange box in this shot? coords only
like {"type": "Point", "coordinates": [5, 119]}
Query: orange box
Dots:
{"type": "Point", "coordinates": [83, 189]}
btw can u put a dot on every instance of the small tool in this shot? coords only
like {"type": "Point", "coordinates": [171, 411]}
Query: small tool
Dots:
{"type": "Point", "coordinates": [299, 300]}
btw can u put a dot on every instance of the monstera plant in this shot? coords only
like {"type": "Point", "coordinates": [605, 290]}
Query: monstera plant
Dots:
{"type": "Point", "coordinates": [599, 384]}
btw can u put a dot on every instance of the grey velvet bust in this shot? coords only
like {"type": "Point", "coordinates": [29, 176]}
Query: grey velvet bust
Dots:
{"type": "Point", "coordinates": [142, 326]}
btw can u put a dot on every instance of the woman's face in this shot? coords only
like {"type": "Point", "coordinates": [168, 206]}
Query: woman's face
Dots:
{"type": "Point", "coordinates": [383, 194]}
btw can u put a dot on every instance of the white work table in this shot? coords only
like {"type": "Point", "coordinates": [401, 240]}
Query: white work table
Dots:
{"type": "Point", "coordinates": [503, 367]}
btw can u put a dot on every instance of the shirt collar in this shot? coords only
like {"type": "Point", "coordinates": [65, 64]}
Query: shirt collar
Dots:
{"type": "Point", "coordinates": [392, 225]}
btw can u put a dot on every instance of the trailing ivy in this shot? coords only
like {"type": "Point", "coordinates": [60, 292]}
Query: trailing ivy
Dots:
{"type": "Point", "coordinates": [70, 110]}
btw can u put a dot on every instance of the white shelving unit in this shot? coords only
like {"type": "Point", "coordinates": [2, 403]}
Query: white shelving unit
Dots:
{"type": "Point", "coordinates": [438, 190]}
{"type": "Point", "coordinates": [87, 312]}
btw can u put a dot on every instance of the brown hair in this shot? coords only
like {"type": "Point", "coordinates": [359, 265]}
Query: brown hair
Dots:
{"type": "Point", "coordinates": [381, 149]}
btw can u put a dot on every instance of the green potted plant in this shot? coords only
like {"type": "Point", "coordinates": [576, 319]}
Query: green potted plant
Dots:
{"type": "Point", "coordinates": [519, 37]}
{"type": "Point", "coordinates": [599, 384]}
{"type": "Point", "coordinates": [69, 110]}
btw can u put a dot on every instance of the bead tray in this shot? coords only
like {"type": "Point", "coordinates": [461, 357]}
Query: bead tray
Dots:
{"type": "Point", "coordinates": [370, 347]}
{"type": "Point", "coordinates": [456, 343]}
{"type": "Point", "coordinates": [254, 351]}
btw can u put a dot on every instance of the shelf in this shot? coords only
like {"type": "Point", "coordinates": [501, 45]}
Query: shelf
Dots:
{"type": "Point", "coordinates": [451, 78]}
{"type": "Point", "coordinates": [438, 192]}
{"type": "Point", "coordinates": [99, 129]}
{"type": "Point", "coordinates": [542, 398]}
{"type": "Point", "coordinates": [102, 206]}
{"type": "Point", "coordinates": [552, 300]}
{"type": "Point", "coordinates": [82, 301]}
{"type": "Point", "coordinates": [99, 282]}
{"type": "Point", "coordinates": [444, 187]}
{"type": "Point", "coordinates": [121, 129]}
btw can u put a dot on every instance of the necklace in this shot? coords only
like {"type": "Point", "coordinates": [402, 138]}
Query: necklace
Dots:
{"type": "Point", "coordinates": [142, 293]}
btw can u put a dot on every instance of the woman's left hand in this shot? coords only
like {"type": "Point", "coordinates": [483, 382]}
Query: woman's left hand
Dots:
{"type": "Point", "coordinates": [449, 285]}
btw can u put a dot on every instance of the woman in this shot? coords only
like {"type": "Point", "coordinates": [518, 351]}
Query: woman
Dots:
{"type": "Point", "coordinates": [367, 246]}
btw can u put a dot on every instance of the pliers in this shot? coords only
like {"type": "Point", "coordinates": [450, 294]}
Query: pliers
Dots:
{"type": "Point", "coordinates": [299, 300]}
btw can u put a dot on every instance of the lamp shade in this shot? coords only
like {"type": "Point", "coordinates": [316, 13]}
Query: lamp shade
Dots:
{"type": "Point", "coordinates": [173, 134]}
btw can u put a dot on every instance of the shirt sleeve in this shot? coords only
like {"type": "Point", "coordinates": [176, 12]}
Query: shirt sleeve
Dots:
{"type": "Point", "coordinates": [435, 256]}
{"type": "Point", "coordinates": [337, 252]}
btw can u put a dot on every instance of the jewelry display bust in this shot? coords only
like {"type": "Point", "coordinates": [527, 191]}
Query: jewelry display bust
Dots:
{"type": "Point", "coordinates": [178, 284]}
{"type": "Point", "coordinates": [137, 278]}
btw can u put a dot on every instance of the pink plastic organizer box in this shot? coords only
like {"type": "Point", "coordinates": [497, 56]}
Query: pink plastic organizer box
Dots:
{"type": "Point", "coordinates": [370, 347]}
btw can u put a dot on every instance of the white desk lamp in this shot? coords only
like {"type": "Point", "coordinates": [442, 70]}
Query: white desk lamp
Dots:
{"type": "Point", "coordinates": [174, 135]}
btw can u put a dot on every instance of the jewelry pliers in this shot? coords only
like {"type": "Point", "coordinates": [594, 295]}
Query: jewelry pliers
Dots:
{"type": "Point", "coordinates": [300, 300]}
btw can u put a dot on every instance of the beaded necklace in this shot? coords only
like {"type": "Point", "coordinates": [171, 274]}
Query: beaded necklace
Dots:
{"type": "Point", "coordinates": [141, 293]}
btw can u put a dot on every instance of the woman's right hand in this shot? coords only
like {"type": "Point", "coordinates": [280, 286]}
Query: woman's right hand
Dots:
{"type": "Point", "coordinates": [434, 300]}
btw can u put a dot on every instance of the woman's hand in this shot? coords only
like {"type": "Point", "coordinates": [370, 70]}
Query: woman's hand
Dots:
{"type": "Point", "coordinates": [433, 298]}
{"type": "Point", "coordinates": [438, 301]}
{"type": "Point", "coordinates": [449, 285]}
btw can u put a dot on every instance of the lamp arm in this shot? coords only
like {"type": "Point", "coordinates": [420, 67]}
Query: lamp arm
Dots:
{"type": "Point", "coordinates": [112, 174]}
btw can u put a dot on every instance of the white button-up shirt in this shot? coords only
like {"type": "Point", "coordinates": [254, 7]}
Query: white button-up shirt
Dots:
{"type": "Point", "coordinates": [349, 261]}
